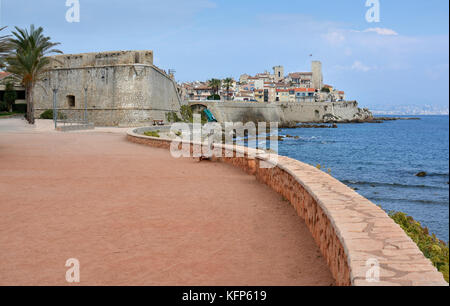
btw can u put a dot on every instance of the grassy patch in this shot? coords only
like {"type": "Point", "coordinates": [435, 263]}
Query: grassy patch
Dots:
{"type": "Point", "coordinates": [4, 114]}
{"type": "Point", "coordinates": [434, 249]}
{"type": "Point", "coordinates": [152, 134]}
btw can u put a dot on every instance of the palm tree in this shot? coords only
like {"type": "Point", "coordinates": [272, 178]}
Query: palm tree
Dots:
{"type": "Point", "coordinates": [30, 62]}
{"type": "Point", "coordinates": [227, 83]}
{"type": "Point", "coordinates": [215, 84]}
{"type": "Point", "coordinates": [5, 47]}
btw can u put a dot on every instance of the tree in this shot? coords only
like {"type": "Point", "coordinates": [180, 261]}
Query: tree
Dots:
{"type": "Point", "coordinates": [227, 83]}
{"type": "Point", "coordinates": [215, 85]}
{"type": "Point", "coordinates": [325, 89]}
{"type": "Point", "coordinates": [10, 95]}
{"type": "Point", "coordinates": [5, 48]}
{"type": "Point", "coordinates": [30, 62]}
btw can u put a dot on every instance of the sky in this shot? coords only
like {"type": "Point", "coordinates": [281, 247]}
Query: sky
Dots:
{"type": "Point", "coordinates": [401, 60]}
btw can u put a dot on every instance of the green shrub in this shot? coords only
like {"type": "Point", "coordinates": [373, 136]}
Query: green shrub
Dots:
{"type": "Point", "coordinates": [187, 116]}
{"type": "Point", "coordinates": [10, 95]}
{"type": "Point", "coordinates": [152, 134]}
{"type": "Point", "coordinates": [214, 97]}
{"type": "Point", "coordinates": [172, 117]}
{"type": "Point", "coordinates": [186, 113]}
{"type": "Point", "coordinates": [6, 114]}
{"type": "Point", "coordinates": [48, 114]}
{"type": "Point", "coordinates": [3, 107]}
{"type": "Point", "coordinates": [433, 248]}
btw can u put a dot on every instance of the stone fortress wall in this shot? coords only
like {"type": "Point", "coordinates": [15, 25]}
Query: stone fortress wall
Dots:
{"type": "Point", "coordinates": [282, 112]}
{"type": "Point", "coordinates": [124, 88]}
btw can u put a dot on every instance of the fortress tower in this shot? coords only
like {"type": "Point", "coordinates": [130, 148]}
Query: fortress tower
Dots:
{"type": "Point", "coordinates": [119, 88]}
{"type": "Point", "coordinates": [317, 76]}
{"type": "Point", "coordinates": [278, 72]}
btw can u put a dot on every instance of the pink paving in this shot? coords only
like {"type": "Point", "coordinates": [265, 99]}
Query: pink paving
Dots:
{"type": "Point", "coordinates": [133, 215]}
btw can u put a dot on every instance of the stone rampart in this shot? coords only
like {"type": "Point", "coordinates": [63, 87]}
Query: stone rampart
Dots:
{"type": "Point", "coordinates": [119, 88]}
{"type": "Point", "coordinates": [283, 112]}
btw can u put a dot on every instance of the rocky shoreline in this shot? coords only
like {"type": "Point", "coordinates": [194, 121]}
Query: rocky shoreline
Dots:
{"type": "Point", "coordinates": [333, 123]}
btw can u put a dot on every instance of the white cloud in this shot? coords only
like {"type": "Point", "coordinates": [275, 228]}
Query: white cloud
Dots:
{"type": "Point", "coordinates": [334, 37]}
{"type": "Point", "coordinates": [382, 31]}
{"type": "Point", "coordinates": [359, 66]}
{"type": "Point", "coordinates": [356, 66]}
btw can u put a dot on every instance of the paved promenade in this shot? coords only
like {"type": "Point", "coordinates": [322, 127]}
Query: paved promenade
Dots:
{"type": "Point", "coordinates": [133, 215]}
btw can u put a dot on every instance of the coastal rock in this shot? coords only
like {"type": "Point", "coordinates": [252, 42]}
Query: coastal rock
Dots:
{"type": "Point", "coordinates": [363, 114]}
{"type": "Point", "coordinates": [330, 118]}
{"type": "Point", "coordinates": [316, 126]}
{"type": "Point", "coordinates": [288, 125]}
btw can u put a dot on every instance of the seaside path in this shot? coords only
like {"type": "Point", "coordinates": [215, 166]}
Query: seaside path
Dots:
{"type": "Point", "coordinates": [133, 215]}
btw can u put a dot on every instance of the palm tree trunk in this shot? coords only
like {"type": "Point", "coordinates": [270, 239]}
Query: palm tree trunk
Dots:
{"type": "Point", "coordinates": [27, 98]}
{"type": "Point", "coordinates": [32, 105]}
{"type": "Point", "coordinates": [30, 110]}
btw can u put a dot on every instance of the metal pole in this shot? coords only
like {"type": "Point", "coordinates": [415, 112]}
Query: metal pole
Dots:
{"type": "Point", "coordinates": [85, 105]}
{"type": "Point", "coordinates": [55, 110]}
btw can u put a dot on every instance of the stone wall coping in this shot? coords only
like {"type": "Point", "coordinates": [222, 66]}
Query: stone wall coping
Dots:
{"type": "Point", "coordinates": [364, 230]}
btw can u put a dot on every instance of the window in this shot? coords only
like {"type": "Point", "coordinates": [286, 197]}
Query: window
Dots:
{"type": "Point", "coordinates": [71, 101]}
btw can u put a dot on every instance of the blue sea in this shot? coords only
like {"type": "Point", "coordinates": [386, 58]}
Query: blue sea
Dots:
{"type": "Point", "coordinates": [381, 160]}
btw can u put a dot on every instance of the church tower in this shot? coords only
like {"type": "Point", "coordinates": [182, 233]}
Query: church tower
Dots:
{"type": "Point", "coordinates": [278, 72]}
{"type": "Point", "coordinates": [317, 76]}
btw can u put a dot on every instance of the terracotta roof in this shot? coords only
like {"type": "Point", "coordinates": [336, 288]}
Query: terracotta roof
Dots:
{"type": "Point", "coordinates": [202, 87]}
{"type": "Point", "coordinates": [297, 90]}
{"type": "Point", "coordinates": [299, 74]}
{"type": "Point", "coordinates": [304, 89]}
{"type": "Point", "coordinates": [4, 74]}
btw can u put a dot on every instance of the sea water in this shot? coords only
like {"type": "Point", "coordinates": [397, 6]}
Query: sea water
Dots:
{"type": "Point", "coordinates": [381, 160]}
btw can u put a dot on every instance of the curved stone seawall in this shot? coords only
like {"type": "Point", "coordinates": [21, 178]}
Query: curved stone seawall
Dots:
{"type": "Point", "coordinates": [352, 233]}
